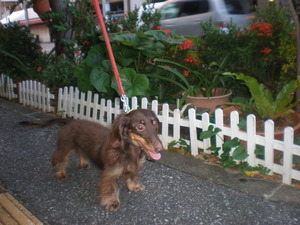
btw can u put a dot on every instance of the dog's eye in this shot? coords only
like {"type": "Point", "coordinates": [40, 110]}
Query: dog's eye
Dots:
{"type": "Point", "coordinates": [155, 123]}
{"type": "Point", "coordinates": [140, 127]}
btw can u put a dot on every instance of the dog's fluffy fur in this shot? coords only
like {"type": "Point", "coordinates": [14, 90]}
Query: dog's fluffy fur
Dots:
{"type": "Point", "coordinates": [119, 151]}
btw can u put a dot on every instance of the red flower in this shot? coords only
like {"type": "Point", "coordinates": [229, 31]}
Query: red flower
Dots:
{"type": "Point", "coordinates": [158, 28]}
{"type": "Point", "coordinates": [168, 32]}
{"type": "Point", "coordinates": [186, 73]}
{"type": "Point", "coordinates": [86, 43]}
{"type": "Point", "coordinates": [263, 28]}
{"type": "Point", "coordinates": [187, 44]}
{"type": "Point", "coordinates": [266, 51]}
{"type": "Point", "coordinates": [293, 33]}
{"type": "Point", "coordinates": [190, 59]}
{"type": "Point", "coordinates": [39, 68]}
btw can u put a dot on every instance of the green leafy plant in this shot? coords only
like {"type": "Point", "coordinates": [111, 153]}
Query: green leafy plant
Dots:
{"type": "Point", "coordinates": [227, 159]}
{"type": "Point", "coordinates": [232, 151]}
{"type": "Point", "coordinates": [265, 104]}
{"type": "Point", "coordinates": [180, 146]}
{"type": "Point", "coordinates": [95, 73]}
{"type": "Point", "coordinates": [134, 53]}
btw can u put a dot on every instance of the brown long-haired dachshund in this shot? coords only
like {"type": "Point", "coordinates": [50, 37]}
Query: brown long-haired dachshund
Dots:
{"type": "Point", "coordinates": [119, 151]}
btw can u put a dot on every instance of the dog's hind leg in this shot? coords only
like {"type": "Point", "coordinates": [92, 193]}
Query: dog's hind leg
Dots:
{"type": "Point", "coordinates": [84, 164]}
{"type": "Point", "coordinates": [60, 162]}
{"type": "Point", "coordinates": [109, 189]}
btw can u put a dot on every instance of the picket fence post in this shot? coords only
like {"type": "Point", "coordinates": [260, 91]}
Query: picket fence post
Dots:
{"type": "Point", "coordinates": [251, 135]}
{"type": "Point", "coordinates": [269, 145]}
{"type": "Point", "coordinates": [193, 131]}
{"type": "Point", "coordinates": [288, 155]}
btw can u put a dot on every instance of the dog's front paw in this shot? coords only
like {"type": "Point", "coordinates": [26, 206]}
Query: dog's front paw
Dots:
{"type": "Point", "coordinates": [136, 187]}
{"type": "Point", "coordinates": [112, 205]}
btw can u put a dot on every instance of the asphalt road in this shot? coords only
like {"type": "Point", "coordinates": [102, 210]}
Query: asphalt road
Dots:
{"type": "Point", "coordinates": [171, 196]}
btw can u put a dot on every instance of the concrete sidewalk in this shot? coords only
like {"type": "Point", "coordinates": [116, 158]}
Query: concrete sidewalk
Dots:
{"type": "Point", "coordinates": [179, 189]}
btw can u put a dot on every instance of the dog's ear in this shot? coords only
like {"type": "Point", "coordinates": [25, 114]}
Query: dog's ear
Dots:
{"type": "Point", "coordinates": [119, 129]}
{"type": "Point", "coordinates": [123, 126]}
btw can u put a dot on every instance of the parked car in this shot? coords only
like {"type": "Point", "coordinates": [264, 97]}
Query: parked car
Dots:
{"type": "Point", "coordinates": [185, 16]}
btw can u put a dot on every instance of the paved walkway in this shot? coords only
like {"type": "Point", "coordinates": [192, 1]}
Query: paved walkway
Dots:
{"type": "Point", "coordinates": [179, 190]}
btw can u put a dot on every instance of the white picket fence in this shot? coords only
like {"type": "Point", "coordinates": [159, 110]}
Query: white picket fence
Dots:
{"type": "Point", "coordinates": [36, 95]}
{"type": "Point", "coordinates": [73, 103]}
{"type": "Point", "coordinates": [7, 87]}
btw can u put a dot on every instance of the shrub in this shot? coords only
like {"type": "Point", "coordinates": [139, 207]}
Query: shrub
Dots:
{"type": "Point", "coordinates": [57, 73]}
{"type": "Point", "coordinates": [266, 50]}
{"type": "Point", "coordinates": [19, 51]}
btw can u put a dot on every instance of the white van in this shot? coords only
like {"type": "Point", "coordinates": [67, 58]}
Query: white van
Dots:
{"type": "Point", "coordinates": [185, 16]}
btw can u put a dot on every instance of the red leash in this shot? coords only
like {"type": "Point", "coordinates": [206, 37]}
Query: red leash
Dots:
{"type": "Point", "coordinates": [124, 99]}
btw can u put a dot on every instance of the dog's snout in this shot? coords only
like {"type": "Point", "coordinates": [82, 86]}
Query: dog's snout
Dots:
{"type": "Point", "coordinates": [159, 148]}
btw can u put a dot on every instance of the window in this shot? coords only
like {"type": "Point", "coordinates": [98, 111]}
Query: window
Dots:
{"type": "Point", "coordinates": [238, 6]}
{"type": "Point", "coordinates": [170, 11]}
{"type": "Point", "coordinates": [184, 8]}
{"type": "Point", "coordinates": [190, 8]}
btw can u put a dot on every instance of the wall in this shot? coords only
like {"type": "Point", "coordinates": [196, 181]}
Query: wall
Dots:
{"type": "Point", "coordinates": [42, 31]}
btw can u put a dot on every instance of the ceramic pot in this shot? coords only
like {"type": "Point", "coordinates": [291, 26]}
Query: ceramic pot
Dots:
{"type": "Point", "coordinates": [211, 103]}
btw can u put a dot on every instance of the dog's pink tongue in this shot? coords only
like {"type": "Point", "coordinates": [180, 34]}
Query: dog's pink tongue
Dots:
{"type": "Point", "coordinates": [155, 156]}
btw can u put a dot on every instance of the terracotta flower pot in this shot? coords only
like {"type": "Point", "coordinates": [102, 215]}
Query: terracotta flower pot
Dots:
{"type": "Point", "coordinates": [278, 135]}
{"type": "Point", "coordinates": [211, 103]}
{"type": "Point", "coordinates": [41, 6]}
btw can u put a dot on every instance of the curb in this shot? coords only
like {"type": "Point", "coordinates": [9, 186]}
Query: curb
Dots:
{"type": "Point", "coordinates": [13, 212]}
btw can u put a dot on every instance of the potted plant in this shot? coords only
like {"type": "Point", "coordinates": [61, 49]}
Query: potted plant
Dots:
{"type": "Point", "coordinates": [202, 86]}
{"type": "Point", "coordinates": [265, 105]}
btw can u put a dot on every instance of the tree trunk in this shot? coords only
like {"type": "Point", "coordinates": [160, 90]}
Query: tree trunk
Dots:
{"type": "Point", "coordinates": [61, 36]}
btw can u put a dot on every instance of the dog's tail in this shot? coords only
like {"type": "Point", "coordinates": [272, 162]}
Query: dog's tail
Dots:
{"type": "Point", "coordinates": [47, 123]}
